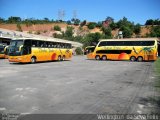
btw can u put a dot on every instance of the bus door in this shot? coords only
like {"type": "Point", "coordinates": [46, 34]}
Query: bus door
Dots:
{"type": "Point", "coordinates": [26, 49]}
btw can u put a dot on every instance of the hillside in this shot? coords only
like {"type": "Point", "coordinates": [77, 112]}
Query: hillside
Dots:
{"type": "Point", "coordinates": [47, 29]}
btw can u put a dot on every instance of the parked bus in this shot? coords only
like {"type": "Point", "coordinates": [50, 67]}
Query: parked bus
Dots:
{"type": "Point", "coordinates": [4, 43]}
{"type": "Point", "coordinates": [34, 50]}
{"type": "Point", "coordinates": [89, 50]}
{"type": "Point", "coordinates": [2, 51]}
{"type": "Point", "coordinates": [134, 49]}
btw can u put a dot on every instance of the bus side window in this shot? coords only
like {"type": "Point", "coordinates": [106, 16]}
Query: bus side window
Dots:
{"type": "Point", "coordinates": [34, 43]}
{"type": "Point", "coordinates": [41, 43]}
{"type": "Point", "coordinates": [27, 43]}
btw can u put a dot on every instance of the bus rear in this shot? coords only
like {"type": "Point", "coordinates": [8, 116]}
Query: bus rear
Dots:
{"type": "Point", "coordinates": [89, 50]}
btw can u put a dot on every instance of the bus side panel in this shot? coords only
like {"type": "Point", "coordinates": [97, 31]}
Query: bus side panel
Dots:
{"type": "Point", "coordinates": [90, 56]}
{"type": "Point", "coordinates": [2, 56]}
{"type": "Point", "coordinates": [68, 53]}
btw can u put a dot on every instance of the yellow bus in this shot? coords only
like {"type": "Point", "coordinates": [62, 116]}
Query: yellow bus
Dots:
{"type": "Point", "coordinates": [89, 50]}
{"type": "Point", "coordinates": [35, 50]}
{"type": "Point", "coordinates": [134, 49]}
{"type": "Point", "coordinates": [2, 51]}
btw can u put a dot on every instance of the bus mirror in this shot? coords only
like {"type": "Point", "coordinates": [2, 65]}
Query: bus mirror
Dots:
{"type": "Point", "coordinates": [20, 48]}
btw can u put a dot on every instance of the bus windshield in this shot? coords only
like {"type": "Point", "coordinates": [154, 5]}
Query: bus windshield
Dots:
{"type": "Point", "coordinates": [16, 43]}
{"type": "Point", "coordinates": [89, 49]}
{"type": "Point", "coordinates": [14, 47]}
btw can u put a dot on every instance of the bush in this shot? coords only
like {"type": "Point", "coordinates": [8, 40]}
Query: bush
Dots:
{"type": "Point", "coordinates": [19, 27]}
{"type": "Point", "coordinates": [91, 25]}
{"type": "Point", "coordinates": [57, 28]}
{"type": "Point", "coordinates": [155, 31]}
{"type": "Point", "coordinates": [78, 51]}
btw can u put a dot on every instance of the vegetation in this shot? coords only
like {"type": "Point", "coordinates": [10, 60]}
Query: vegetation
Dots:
{"type": "Point", "coordinates": [153, 22]}
{"type": "Point", "coordinates": [155, 31]}
{"type": "Point", "coordinates": [19, 27]}
{"type": "Point", "coordinates": [76, 21]}
{"type": "Point", "coordinates": [83, 35]}
{"type": "Point", "coordinates": [83, 23]}
{"type": "Point", "coordinates": [91, 25]}
{"type": "Point", "coordinates": [57, 28]}
{"type": "Point", "coordinates": [78, 51]}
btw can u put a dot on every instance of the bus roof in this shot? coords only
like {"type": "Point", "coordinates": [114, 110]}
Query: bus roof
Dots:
{"type": "Point", "coordinates": [130, 39]}
{"type": "Point", "coordinates": [49, 40]}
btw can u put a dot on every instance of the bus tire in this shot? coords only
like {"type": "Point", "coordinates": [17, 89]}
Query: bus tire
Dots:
{"type": "Point", "coordinates": [63, 58]}
{"type": "Point", "coordinates": [97, 57]}
{"type": "Point", "coordinates": [132, 58]}
{"type": "Point", "coordinates": [59, 58]}
{"type": "Point", "coordinates": [104, 57]}
{"type": "Point", "coordinates": [140, 59]}
{"type": "Point", "coordinates": [33, 59]}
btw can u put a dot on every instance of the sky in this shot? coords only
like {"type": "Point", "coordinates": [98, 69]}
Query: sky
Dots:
{"type": "Point", "coordinates": [137, 11]}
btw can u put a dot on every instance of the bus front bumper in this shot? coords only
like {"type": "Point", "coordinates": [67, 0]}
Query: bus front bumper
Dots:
{"type": "Point", "coordinates": [15, 59]}
{"type": "Point", "coordinates": [2, 56]}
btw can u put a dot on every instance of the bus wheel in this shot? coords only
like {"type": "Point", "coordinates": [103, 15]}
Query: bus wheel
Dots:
{"type": "Point", "coordinates": [63, 58]}
{"type": "Point", "coordinates": [104, 57]}
{"type": "Point", "coordinates": [33, 60]}
{"type": "Point", "coordinates": [140, 59]}
{"type": "Point", "coordinates": [132, 58]}
{"type": "Point", "coordinates": [97, 57]}
{"type": "Point", "coordinates": [59, 58]}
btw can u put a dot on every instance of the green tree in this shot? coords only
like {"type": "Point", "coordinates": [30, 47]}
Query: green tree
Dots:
{"type": "Point", "coordinates": [107, 32]}
{"type": "Point", "coordinates": [127, 32]}
{"type": "Point", "coordinates": [2, 20]}
{"type": "Point", "coordinates": [75, 21]}
{"type": "Point", "coordinates": [14, 19]}
{"type": "Point", "coordinates": [91, 25]}
{"type": "Point", "coordinates": [78, 51]}
{"type": "Point", "coordinates": [155, 31]}
{"type": "Point", "coordinates": [91, 39]}
{"type": "Point", "coordinates": [113, 25]}
{"type": "Point", "coordinates": [69, 22]}
{"type": "Point", "coordinates": [126, 27]}
{"type": "Point", "coordinates": [137, 29]}
{"type": "Point", "coordinates": [69, 33]}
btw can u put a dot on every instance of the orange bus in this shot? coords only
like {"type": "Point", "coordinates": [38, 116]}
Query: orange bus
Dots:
{"type": "Point", "coordinates": [134, 49]}
{"type": "Point", "coordinates": [2, 51]}
{"type": "Point", "coordinates": [34, 50]}
{"type": "Point", "coordinates": [89, 50]}
{"type": "Point", "coordinates": [4, 43]}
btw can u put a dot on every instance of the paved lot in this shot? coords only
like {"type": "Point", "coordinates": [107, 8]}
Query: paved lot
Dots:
{"type": "Point", "coordinates": [76, 86]}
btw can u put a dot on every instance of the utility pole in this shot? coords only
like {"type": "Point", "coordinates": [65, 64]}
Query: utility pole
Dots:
{"type": "Point", "coordinates": [75, 14]}
{"type": "Point", "coordinates": [61, 14]}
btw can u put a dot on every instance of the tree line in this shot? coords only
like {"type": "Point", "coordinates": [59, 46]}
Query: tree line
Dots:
{"type": "Point", "coordinates": [106, 26]}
